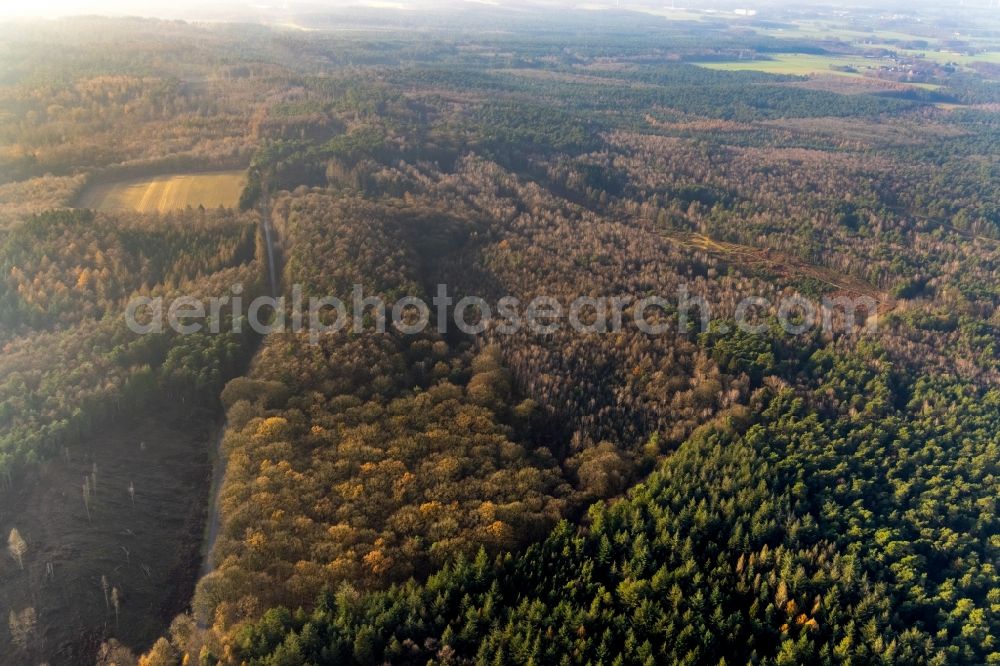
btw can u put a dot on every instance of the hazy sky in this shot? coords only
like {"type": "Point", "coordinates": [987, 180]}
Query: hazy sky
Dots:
{"type": "Point", "coordinates": [200, 8]}
{"type": "Point", "coordinates": [179, 8]}
{"type": "Point", "coordinates": [171, 8]}
{"type": "Point", "coordinates": [54, 8]}
{"type": "Point", "coordinates": [255, 8]}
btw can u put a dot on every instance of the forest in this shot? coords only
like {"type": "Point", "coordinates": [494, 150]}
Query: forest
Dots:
{"type": "Point", "coordinates": [708, 496]}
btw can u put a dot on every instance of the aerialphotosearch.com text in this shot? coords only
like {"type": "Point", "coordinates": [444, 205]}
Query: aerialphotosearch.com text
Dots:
{"type": "Point", "coordinates": [653, 315]}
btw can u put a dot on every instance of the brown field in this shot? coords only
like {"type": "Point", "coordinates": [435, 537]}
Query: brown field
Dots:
{"type": "Point", "coordinates": [164, 193]}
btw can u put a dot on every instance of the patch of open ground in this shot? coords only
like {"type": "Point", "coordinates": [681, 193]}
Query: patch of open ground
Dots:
{"type": "Point", "coordinates": [802, 64]}
{"type": "Point", "coordinates": [164, 193]}
{"type": "Point", "coordinates": [788, 267]}
{"type": "Point", "coordinates": [148, 550]}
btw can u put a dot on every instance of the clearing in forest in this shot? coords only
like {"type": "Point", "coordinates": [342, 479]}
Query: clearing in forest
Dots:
{"type": "Point", "coordinates": [803, 64]}
{"type": "Point", "coordinates": [164, 193]}
{"type": "Point", "coordinates": [786, 267]}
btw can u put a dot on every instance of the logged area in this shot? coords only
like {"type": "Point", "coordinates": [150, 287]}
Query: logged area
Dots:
{"type": "Point", "coordinates": [136, 535]}
{"type": "Point", "coordinates": [166, 193]}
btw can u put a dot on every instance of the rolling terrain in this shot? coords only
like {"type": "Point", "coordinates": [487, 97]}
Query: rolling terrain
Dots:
{"type": "Point", "coordinates": [805, 492]}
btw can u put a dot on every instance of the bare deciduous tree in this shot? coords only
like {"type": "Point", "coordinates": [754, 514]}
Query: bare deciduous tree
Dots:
{"type": "Point", "coordinates": [22, 626]}
{"type": "Point", "coordinates": [114, 653]}
{"type": "Point", "coordinates": [17, 547]}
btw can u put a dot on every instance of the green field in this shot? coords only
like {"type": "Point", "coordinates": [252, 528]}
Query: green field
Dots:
{"type": "Point", "coordinates": [801, 64]}
{"type": "Point", "coordinates": [819, 30]}
{"type": "Point", "coordinates": [961, 59]}
{"type": "Point", "coordinates": [164, 193]}
{"type": "Point", "coordinates": [887, 39]}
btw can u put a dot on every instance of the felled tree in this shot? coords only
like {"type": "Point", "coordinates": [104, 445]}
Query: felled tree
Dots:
{"type": "Point", "coordinates": [86, 495]}
{"type": "Point", "coordinates": [116, 601]}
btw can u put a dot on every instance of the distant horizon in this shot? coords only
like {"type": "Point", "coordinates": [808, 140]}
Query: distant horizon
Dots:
{"type": "Point", "coordinates": [231, 9]}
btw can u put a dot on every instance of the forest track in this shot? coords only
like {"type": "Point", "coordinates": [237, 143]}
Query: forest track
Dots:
{"type": "Point", "coordinates": [785, 266]}
{"type": "Point", "coordinates": [213, 523]}
{"type": "Point", "coordinates": [948, 226]}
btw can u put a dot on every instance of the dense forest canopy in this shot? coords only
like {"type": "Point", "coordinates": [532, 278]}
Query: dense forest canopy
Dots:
{"type": "Point", "coordinates": [707, 496]}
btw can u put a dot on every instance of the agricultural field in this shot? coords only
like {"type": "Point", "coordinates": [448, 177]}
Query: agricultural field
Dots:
{"type": "Point", "coordinates": [164, 193]}
{"type": "Point", "coordinates": [801, 64]}
{"type": "Point", "coordinates": [826, 30]}
{"type": "Point", "coordinates": [937, 49]}
{"type": "Point", "coordinates": [992, 57]}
